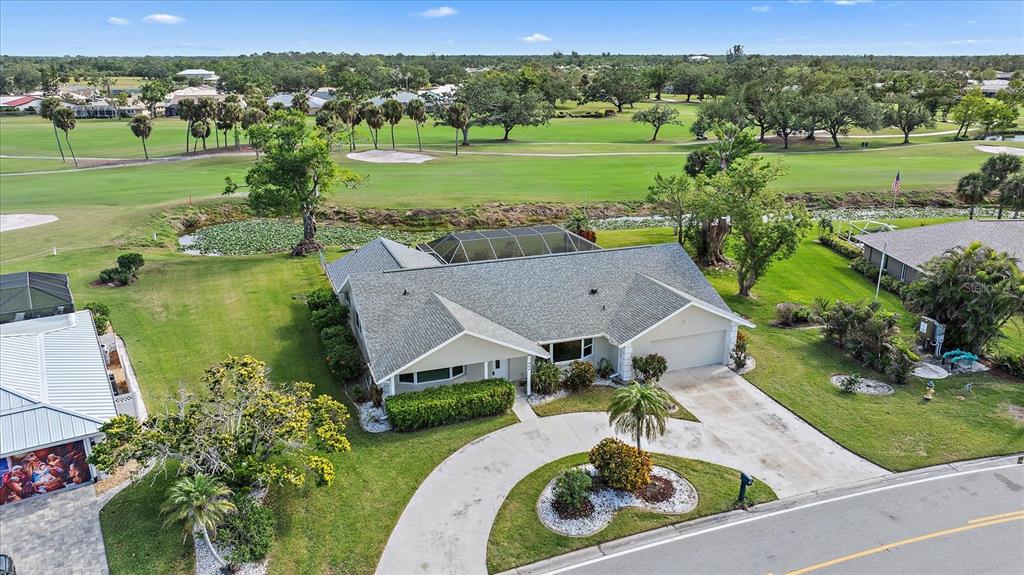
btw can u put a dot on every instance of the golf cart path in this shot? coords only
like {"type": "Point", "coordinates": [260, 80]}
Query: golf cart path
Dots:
{"type": "Point", "coordinates": [445, 527]}
{"type": "Point", "coordinates": [120, 162]}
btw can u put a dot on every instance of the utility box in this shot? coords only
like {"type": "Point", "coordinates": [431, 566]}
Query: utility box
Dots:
{"type": "Point", "coordinates": [934, 334]}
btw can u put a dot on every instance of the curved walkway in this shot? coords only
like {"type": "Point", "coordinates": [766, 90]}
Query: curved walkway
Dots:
{"type": "Point", "coordinates": [445, 527]}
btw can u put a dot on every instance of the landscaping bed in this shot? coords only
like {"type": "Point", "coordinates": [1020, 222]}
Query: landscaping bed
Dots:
{"type": "Point", "coordinates": [518, 536]}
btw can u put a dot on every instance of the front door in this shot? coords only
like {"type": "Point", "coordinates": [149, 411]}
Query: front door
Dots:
{"type": "Point", "coordinates": [499, 368]}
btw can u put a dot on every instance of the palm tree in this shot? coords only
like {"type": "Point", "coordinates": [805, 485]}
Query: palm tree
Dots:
{"type": "Point", "coordinates": [186, 111]}
{"type": "Point", "coordinates": [201, 129]}
{"type": "Point", "coordinates": [971, 190]}
{"type": "Point", "coordinates": [458, 117]}
{"type": "Point", "coordinates": [639, 410]}
{"type": "Point", "coordinates": [198, 502]}
{"type": "Point", "coordinates": [64, 119]}
{"type": "Point", "coordinates": [349, 114]}
{"type": "Point", "coordinates": [374, 120]}
{"type": "Point", "coordinates": [1012, 191]}
{"type": "Point", "coordinates": [417, 112]}
{"type": "Point", "coordinates": [46, 109]}
{"type": "Point", "coordinates": [142, 128]}
{"type": "Point", "coordinates": [392, 110]}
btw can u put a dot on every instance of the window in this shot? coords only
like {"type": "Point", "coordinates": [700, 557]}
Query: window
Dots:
{"type": "Point", "coordinates": [431, 375]}
{"type": "Point", "coordinates": [571, 350]}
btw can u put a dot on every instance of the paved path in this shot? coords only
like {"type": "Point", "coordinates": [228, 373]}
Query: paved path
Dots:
{"type": "Point", "coordinates": [932, 522]}
{"type": "Point", "coordinates": [445, 527]}
{"type": "Point", "coordinates": [521, 407]}
{"type": "Point", "coordinates": [57, 533]}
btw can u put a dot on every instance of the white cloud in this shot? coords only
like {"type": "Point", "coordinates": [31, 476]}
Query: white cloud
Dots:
{"type": "Point", "coordinates": [535, 38]}
{"type": "Point", "coordinates": [115, 21]}
{"type": "Point", "coordinates": [163, 19]}
{"type": "Point", "coordinates": [440, 12]}
{"type": "Point", "coordinates": [760, 9]}
{"type": "Point", "coordinates": [971, 22]}
{"type": "Point", "coordinates": [851, 2]}
{"type": "Point", "coordinates": [967, 41]}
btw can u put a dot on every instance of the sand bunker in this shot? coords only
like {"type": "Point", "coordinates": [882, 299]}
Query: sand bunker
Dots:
{"type": "Point", "coordinates": [10, 222]}
{"type": "Point", "coordinates": [390, 157]}
{"type": "Point", "coordinates": [1000, 150]}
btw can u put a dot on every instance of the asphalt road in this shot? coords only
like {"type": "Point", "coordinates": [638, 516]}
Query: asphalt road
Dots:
{"type": "Point", "coordinates": [958, 524]}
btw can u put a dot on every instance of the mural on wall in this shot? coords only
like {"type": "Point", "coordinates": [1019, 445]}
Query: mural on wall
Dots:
{"type": "Point", "coordinates": [43, 470]}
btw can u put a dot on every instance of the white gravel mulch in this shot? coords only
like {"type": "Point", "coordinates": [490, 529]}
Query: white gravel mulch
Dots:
{"type": "Point", "coordinates": [866, 386]}
{"type": "Point", "coordinates": [538, 399]}
{"type": "Point", "coordinates": [10, 222]}
{"type": "Point", "coordinates": [373, 419]}
{"type": "Point", "coordinates": [608, 502]}
{"type": "Point", "coordinates": [389, 157]}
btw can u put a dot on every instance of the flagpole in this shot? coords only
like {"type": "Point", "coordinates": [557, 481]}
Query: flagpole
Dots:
{"type": "Point", "coordinates": [894, 191]}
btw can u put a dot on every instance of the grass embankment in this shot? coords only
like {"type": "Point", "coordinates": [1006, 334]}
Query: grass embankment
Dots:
{"type": "Point", "coordinates": [518, 537]}
{"type": "Point", "coordinates": [595, 399]}
{"type": "Point", "coordinates": [898, 432]}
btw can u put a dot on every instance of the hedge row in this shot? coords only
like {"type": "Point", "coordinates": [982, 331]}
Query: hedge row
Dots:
{"type": "Point", "coordinates": [870, 271]}
{"type": "Point", "coordinates": [842, 247]}
{"type": "Point", "coordinates": [330, 320]}
{"type": "Point", "coordinates": [449, 404]}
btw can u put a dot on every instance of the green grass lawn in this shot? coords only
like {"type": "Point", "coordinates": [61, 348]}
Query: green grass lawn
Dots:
{"type": "Point", "coordinates": [898, 432]}
{"type": "Point", "coordinates": [595, 399]}
{"type": "Point", "coordinates": [518, 537]}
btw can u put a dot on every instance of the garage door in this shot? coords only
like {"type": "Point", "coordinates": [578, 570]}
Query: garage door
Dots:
{"type": "Point", "coordinates": [691, 350]}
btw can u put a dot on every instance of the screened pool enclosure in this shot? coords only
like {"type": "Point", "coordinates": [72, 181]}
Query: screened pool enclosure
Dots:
{"type": "Point", "coordinates": [483, 245]}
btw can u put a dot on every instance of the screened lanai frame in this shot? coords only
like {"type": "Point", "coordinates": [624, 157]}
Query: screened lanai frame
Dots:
{"type": "Point", "coordinates": [485, 245]}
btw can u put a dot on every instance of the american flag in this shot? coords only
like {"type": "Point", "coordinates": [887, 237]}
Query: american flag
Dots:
{"type": "Point", "coordinates": [896, 183]}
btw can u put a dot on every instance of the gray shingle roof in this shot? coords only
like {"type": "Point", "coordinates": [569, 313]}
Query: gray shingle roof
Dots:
{"type": "Point", "coordinates": [915, 246]}
{"type": "Point", "coordinates": [377, 256]}
{"type": "Point", "coordinates": [541, 299]}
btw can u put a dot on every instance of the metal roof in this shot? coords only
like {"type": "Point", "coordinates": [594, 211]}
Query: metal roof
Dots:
{"type": "Point", "coordinates": [915, 246]}
{"type": "Point", "coordinates": [405, 313]}
{"type": "Point", "coordinates": [27, 291]}
{"type": "Point", "coordinates": [53, 381]}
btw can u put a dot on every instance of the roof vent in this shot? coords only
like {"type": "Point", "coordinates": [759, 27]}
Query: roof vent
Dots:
{"type": "Point", "coordinates": [593, 291]}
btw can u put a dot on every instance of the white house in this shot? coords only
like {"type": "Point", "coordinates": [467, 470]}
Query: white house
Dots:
{"type": "Point", "coordinates": [285, 100]}
{"type": "Point", "coordinates": [54, 395]}
{"type": "Point", "coordinates": [457, 314]}
{"type": "Point", "coordinates": [198, 74]}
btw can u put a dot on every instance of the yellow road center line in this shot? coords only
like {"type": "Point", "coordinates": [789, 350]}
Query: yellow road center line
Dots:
{"type": "Point", "coordinates": [1000, 516]}
{"type": "Point", "coordinates": [987, 522]}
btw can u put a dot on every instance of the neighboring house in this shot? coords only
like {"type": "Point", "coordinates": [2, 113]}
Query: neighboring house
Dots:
{"type": "Point", "coordinates": [907, 250]}
{"type": "Point", "coordinates": [28, 295]}
{"type": "Point", "coordinates": [403, 97]}
{"type": "Point", "coordinates": [54, 396]}
{"type": "Point", "coordinates": [30, 104]}
{"type": "Point", "coordinates": [326, 93]}
{"type": "Point", "coordinates": [172, 99]}
{"type": "Point", "coordinates": [422, 323]}
{"type": "Point", "coordinates": [286, 100]}
{"type": "Point", "coordinates": [198, 74]}
{"type": "Point", "coordinates": [442, 91]}
{"type": "Point", "coordinates": [105, 109]}
{"type": "Point", "coordinates": [991, 88]}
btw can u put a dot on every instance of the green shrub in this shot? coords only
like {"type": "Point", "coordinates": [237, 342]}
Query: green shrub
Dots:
{"type": "Point", "coordinates": [604, 369]}
{"type": "Point", "coordinates": [116, 276]}
{"type": "Point", "coordinates": [343, 356]}
{"type": "Point", "coordinates": [621, 466]}
{"type": "Point", "coordinates": [100, 315]}
{"type": "Point", "coordinates": [545, 379]}
{"type": "Point", "coordinates": [572, 488]}
{"type": "Point", "coordinates": [332, 315]}
{"type": "Point", "coordinates": [840, 246]}
{"type": "Point", "coordinates": [320, 298]}
{"type": "Point", "coordinates": [650, 367]}
{"type": "Point", "coordinates": [449, 404]}
{"type": "Point", "coordinates": [131, 261]}
{"type": "Point", "coordinates": [580, 376]}
{"type": "Point", "coordinates": [738, 357]}
{"type": "Point", "coordinates": [249, 530]}
{"type": "Point", "coordinates": [1011, 363]}
{"type": "Point", "coordinates": [850, 383]}
{"type": "Point", "coordinates": [789, 314]}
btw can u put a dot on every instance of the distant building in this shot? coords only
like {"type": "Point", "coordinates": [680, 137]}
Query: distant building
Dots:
{"type": "Point", "coordinates": [198, 74]}
{"type": "Point", "coordinates": [992, 87]}
{"type": "Point", "coordinates": [403, 97]}
{"type": "Point", "coordinates": [285, 100]}
{"type": "Point", "coordinates": [698, 58]}
{"type": "Point", "coordinates": [28, 104]}
{"type": "Point", "coordinates": [28, 295]}
{"type": "Point", "coordinates": [326, 93]}
{"type": "Point", "coordinates": [172, 100]}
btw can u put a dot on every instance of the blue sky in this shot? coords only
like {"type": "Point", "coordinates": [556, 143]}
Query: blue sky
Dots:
{"type": "Point", "coordinates": [783, 27]}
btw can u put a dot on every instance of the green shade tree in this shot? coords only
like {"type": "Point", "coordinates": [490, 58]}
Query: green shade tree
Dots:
{"type": "Point", "coordinates": [392, 112]}
{"type": "Point", "coordinates": [142, 127]}
{"type": "Point", "coordinates": [416, 109]}
{"type": "Point", "coordinates": [968, 111]}
{"type": "Point", "coordinates": [786, 114]}
{"type": "Point", "coordinates": [658, 116]}
{"type": "Point", "coordinates": [639, 410]}
{"type": "Point", "coordinates": [658, 77]}
{"type": "Point", "coordinates": [904, 112]}
{"type": "Point", "coordinates": [971, 190]}
{"type": "Point", "coordinates": [294, 174]}
{"type": "Point", "coordinates": [687, 80]}
{"type": "Point", "coordinates": [198, 502]}
{"type": "Point", "coordinates": [973, 290]}
{"type": "Point", "coordinates": [300, 102]}
{"type": "Point", "coordinates": [839, 110]}
{"type": "Point", "coordinates": [618, 85]}
{"type": "Point", "coordinates": [672, 196]}
{"type": "Point", "coordinates": [152, 93]}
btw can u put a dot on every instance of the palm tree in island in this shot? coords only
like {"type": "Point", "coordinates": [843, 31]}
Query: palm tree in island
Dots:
{"type": "Point", "coordinates": [199, 502]}
{"type": "Point", "coordinates": [639, 410]}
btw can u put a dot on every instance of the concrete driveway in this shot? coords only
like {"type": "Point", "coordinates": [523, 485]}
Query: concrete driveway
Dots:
{"type": "Point", "coordinates": [445, 527]}
{"type": "Point", "coordinates": [740, 422]}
